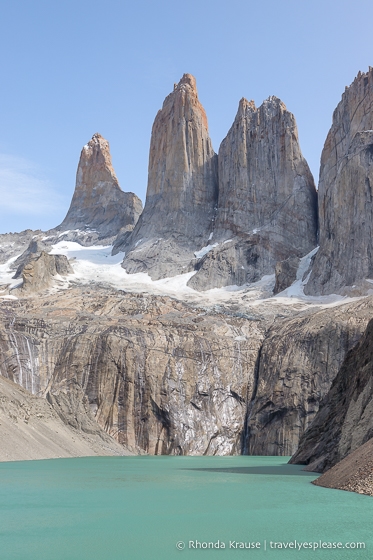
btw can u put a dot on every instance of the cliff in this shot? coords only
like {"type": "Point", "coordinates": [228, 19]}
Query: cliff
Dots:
{"type": "Point", "coordinates": [182, 188]}
{"type": "Point", "coordinates": [345, 194]}
{"type": "Point", "coordinates": [267, 207]}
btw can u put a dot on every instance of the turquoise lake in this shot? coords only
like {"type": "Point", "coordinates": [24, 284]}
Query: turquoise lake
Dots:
{"type": "Point", "coordinates": [116, 508]}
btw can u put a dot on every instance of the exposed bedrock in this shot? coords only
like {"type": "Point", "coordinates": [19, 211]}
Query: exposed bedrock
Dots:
{"type": "Point", "coordinates": [98, 203]}
{"type": "Point", "coordinates": [39, 271]}
{"type": "Point", "coordinates": [345, 419]}
{"type": "Point", "coordinates": [182, 188]}
{"type": "Point", "coordinates": [298, 361]}
{"type": "Point", "coordinates": [267, 204]}
{"type": "Point", "coordinates": [345, 257]}
{"type": "Point", "coordinates": [157, 375]}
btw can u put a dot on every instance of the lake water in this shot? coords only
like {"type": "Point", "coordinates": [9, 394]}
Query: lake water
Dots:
{"type": "Point", "coordinates": [139, 508]}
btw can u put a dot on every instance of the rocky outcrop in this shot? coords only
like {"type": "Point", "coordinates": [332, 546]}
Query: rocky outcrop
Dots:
{"type": "Point", "coordinates": [298, 362]}
{"type": "Point", "coordinates": [98, 202]}
{"type": "Point", "coordinates": [267, 206]}
{"type": "Point", "coordinates": [182, 188]}
{"type": "Point", "coordinates": [345, 194]}
{"type": "Point", "coordinates": [39, 269]}
{"type": "Point", "coordinates": [34, 249]}
{"type": "Point", "coordinates": [285, 273]}
{"type": "Point", "coordinates": [345, 419]}
{"type": "Point", "coordinates": [157, 374]}
{"type": "Point", "coordinates": [31, 429]}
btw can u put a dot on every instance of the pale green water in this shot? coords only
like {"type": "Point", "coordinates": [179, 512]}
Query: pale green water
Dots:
{"type": "Point", "coordinates": [138, 508]}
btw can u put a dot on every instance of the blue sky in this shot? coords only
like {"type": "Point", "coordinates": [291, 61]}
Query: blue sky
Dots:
{"type": "Point", "coordinates": [70, 69]}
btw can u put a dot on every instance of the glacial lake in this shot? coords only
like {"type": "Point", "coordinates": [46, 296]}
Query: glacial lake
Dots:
{"type": "Point", "coordinates": [139, 508]}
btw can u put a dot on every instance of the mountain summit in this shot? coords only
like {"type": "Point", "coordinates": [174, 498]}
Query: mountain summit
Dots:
{"type": "Point", "coordinates": [98, 202]}
{"type": "Point", "coordinates": [182, 188]}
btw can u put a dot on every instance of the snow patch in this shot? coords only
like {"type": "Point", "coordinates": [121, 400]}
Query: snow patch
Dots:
{"type": "Point", "coordinates": [202, 252]}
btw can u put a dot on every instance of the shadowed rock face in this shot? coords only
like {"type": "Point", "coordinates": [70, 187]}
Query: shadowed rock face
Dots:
{"type": "Point", "coordinates": [98, 202]}
{"type": "Point", "coordinates": [182, 188]}
{"type": "Point", "coordinates": [267, 198]}
{"type": "Point", "coordinates": [345, 257]}
{"type": "Point", "coordinates": [345, 419]}
{"type": "Point", "coordinates": [298, 362]}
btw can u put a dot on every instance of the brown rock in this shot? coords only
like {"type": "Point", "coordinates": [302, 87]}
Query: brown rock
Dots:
{"type": "Point", "coordinates": [39, 270]}
{"type": "Point", "coordinates": [98, 202]}
{"type": "Point", "coordinates": [182, 188]}
{"type": "Point", "coordinates": [354, 473]}
{"type": "Point", "coordinates": [155, 374]}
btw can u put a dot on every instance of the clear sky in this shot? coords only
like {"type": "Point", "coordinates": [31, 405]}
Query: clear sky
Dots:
{"type": "Point", "coordinates": [72, 68]}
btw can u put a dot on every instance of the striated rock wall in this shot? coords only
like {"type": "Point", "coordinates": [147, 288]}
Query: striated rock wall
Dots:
{"type": "Point", "coordinates": [157, 375]}
{"type": "Point", "coordinates": [267, 198]}
{"type": "Point", "coordinates": [345, 194]}
{"type": "Point", "coordinates": [345, 419]}
{"type": "Point", "coordinates": [298, 362]}
{"type": "Point", "coordinates": [182, 188]}
{"type": "Point", "coordinates": [98, 202]}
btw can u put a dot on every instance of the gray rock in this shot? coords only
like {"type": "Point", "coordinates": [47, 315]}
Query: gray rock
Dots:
{"type": "Point", "coordinates": [297, 364]}
{"type": "Point", "coordinates": [345, 194]}
{"type": "Point", "coordinates": [14, 244]}
{"type": "Point", "coordinates": [345, 419]}
{"type": "Point", "coordinates": [267, 198]}
{"type": "Point", "coordinates": [286, 273]}
{"type": "Point", "coordinates": [98, 203]}
{"type": "Point", "coordinates": [182, 188]}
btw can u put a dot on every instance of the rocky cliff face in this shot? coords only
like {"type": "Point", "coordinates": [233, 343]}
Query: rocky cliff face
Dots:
{"type": "Point", "coordinates": [98, 202]}
{"type": "Point", "coordinates": [157, 374]}
{"type": "Point", "coordinates": [267, 198]}
{"type": "Point", "coordinates": [298, 362]}
{"type": "Point", "coordinates": [182, 188]}
{"type": "Point", "coordinates": [345, 194]}
{"type": "Point", "coordinates": [344, 421]}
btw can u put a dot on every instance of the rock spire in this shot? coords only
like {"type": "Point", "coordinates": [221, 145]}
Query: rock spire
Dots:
{"type": "Point", "coordinates": [267, 198]}
{"type": "Point", "coordinates": [98, 202]}
{"type": "Point", "coordinates": [182, 188]}
{"type": "Point", "coordinates": [345, 256]}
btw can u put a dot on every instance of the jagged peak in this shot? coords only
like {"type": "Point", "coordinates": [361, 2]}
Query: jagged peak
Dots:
{"type": "Point", "coordinates": [187, 84]}
{"type": "Point", "coordinates": [362, 78]}
{"type": "Point", "coordinates": [244, 104]}
{"type": "Point", "coordinates": [97, 139]}
{"type": "Point", "coordinates": [187, 80]}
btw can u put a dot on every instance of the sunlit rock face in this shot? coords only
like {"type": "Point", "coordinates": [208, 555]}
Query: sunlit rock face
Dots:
{"type": "Point", "coordinates": [267, 198]}
{"type": "Point", "coordinates": [98, 202]}
{"type": "Point", "coordinates": [156, 374]}
{"type": "Point", "coordinates": [345, 257]}
{"type": "Point", "coordinates": [182, 188]}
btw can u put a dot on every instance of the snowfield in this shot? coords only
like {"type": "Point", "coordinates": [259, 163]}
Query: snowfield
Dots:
{"type": "Point", "coordinates": [96, 265]}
